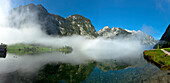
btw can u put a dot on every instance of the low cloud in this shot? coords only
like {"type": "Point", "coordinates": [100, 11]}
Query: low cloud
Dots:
{"type": "Point", "coordinates": [147, 29]}
{"type": "Point", "coordinates": [98, 49]}
{"type": "Point", "coordinates": [85, 49]}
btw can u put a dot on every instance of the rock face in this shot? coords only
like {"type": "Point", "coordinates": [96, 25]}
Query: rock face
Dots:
{"type": "Point", "coordinates": [166, 35]}
{"type": "Point", "coordinates": [144, 38]}
{"type": "Point", "coordinates": [34, 16]}
{"type": "Point", "coordinates": [107, 32]}
{"type": "Point", "coordinates": [114, 33]}
{"type": "Point", "coordinates": [165, 40]}
{"type": "Point", "coordinates": [81, 25]}
{"type": "Point", "coordinates": [37, 16]}
{"type": "Point", "coordinates": [31, 15]}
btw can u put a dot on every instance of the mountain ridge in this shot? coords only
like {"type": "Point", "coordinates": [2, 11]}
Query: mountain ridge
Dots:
{"type": "Point", "coordinates": [56, 25]}
{"type": "Point", "coordinates": [164, 42]}
{"type": "Point", "coordinates": [118, 33]}
{"type": "Point", "coordinates": [52, 24]}
{"type": "Point", "coordinates": [166, 35]}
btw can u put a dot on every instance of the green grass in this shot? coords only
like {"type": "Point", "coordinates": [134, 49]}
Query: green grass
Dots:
{"type": "Point", "coordinates": [167, 49]}
{"type": "Point", "coordinates": [22, 49]}
{"type": "Point", "coordinates": [158, 57]}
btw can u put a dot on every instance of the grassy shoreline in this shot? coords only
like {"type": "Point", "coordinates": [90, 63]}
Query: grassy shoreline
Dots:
{"type": "Point", "coordinates": [21, 49]}
{"type": "Point", "coordinates": [167, 49]}
{"type": "Point", "coordinates": [158, 58]}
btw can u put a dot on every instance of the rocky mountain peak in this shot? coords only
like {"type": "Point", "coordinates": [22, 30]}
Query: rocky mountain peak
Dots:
{"type": "Point", "coordinates": [31, 5]}
{"type": "Point", "coordinates": [34, 15]}
{"type": "Point", "coordinates": [30, 8]}
{"type": "Point", "coordinates": [133, 31]}
{"type": "Point", "coordinates": [50, 23]}
{"type": "Point", "coordinates": [81, 25]}
{"type": "Point", "coordinates": [107, 32]}
{"type": "Point", "coordinates": [107, 28]}
{"type": "Point", "coordinates": [56, 25]}
{"type": "Point", "coordinates": [139, 31]}
{"type": "Point", "coordinates": [127, 34]}
{"type": "Point", "coordinates": [77, 17]}
{"type": "Point", "coordinates": [114, 28]}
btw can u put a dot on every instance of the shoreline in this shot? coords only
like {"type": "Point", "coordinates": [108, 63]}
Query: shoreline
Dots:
{"type": "Point", "coordinates": [157, 58]}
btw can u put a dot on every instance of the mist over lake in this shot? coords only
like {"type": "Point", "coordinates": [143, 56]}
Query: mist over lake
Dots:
{"type": "Point", "coordinates": [39, 45]}
{"type": "Point", "coordinates": [29, 67]}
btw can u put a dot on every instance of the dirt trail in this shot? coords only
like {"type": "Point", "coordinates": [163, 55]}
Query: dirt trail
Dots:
{"type": "Point", "coordinates": [166, 52]}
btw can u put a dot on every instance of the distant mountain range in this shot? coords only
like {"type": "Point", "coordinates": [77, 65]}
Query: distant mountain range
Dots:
{"type": "Point", "coordinates": [55, 25]}
{"type": "Point", "coordinates": [117, 33]}
{"type": "Point", "coordinates": [107, 32]}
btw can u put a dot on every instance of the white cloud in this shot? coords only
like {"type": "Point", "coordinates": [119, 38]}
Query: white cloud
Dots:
{"type": "Point", "coordinates": [5, 6]}
{"type": "Point", "coordinates": [147, 29]}
{"type": "Point", "coordinates": [96, 49]}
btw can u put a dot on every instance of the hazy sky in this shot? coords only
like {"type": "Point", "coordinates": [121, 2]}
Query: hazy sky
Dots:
{"type": "Point", "coordinates": [149, 16]}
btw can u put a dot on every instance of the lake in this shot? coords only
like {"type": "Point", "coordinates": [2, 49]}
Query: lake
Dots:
{"type": "Point", "coordinates": [80, 67]}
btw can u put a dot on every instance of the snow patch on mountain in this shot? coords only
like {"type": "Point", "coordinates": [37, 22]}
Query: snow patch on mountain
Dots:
{"type": "Point", "coordinates": [118, 33]}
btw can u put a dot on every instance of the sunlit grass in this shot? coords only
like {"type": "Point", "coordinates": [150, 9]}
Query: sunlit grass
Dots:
{"type": "Point", "coordinates": [167, 49]}
{"type": "Point", "coordinates": [158, 57]}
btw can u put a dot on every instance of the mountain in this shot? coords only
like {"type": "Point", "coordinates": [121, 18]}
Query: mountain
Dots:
{"type": "Point", "coordinates": [164, 42]}
{"type": "Point", "coordinates": [166, 35]}
{"type": "Point", "coordinates": [36, 15]}
{"type": "Point", "coordinates": [81, 25]}
{"type": "Point", "coordinates": [144, 38]}
{"type": "Point", "coordinates": [114, 33]}
{"type": "Point", "coordinates": [107, 32]}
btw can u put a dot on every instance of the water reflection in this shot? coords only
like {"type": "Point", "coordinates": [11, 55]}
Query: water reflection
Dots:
{"type": "Point", "coordinates": [3, 50]}
{"type": "Point", "coordinates": [2, 54]}
{"type": "Point", "coordinates": [53, 73]}
{"type": "Point", "coordinates": [77, 67]}
{"type": "Point", "coordinates": [148, 74]}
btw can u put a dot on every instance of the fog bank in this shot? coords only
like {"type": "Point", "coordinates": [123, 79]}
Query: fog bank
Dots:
{"type": "Point", "coordinates": [85, 49]}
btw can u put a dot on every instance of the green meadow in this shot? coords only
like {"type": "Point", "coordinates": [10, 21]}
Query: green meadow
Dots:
{"type": "Point", "coordinates": [158, 57]}
{"type": "Point", "coordinates": [21, 49]}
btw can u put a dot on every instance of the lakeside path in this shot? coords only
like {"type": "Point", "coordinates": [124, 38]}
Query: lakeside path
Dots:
{"type": "Point", "coordinates": [166, 52]}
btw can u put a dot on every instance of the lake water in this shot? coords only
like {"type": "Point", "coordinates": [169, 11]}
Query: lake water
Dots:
{"type": "Point", "coordinates": [79, 67]}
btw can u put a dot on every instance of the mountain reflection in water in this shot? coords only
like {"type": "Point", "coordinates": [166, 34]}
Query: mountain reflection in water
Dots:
{"type": "Point", "coordinates": [77, 67]}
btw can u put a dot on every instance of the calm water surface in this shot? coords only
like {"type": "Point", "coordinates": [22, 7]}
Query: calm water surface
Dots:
{"type": "Point", "coordinates": [78, 67]}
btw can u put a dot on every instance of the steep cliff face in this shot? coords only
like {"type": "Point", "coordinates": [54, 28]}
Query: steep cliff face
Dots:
{"type": "Point", "coordinates": [36, 15]}
{"type": "Point", "coordinates": [77, 24]}
{"type": "Point", "coordinates": [166, 35]}
{"type": "Point", "coordinates": [165, 39]}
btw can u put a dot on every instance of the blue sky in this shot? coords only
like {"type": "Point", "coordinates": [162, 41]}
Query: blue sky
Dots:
{"type": "Point", "coordinates": [150, 16]}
